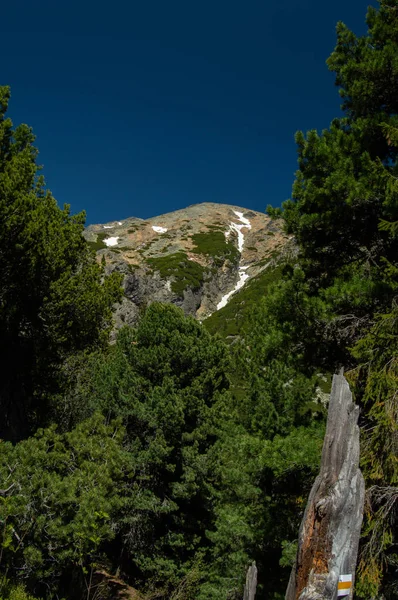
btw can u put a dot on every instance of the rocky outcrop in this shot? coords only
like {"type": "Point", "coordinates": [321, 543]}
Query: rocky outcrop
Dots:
{"type": "Point", "coordinates": [193, 258]}
{"type": "Point", "coordinates": [330, 529]}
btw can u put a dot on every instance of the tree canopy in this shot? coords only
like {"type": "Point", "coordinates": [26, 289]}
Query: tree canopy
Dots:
{"type": "Point", "coordinates": [344, 213]}
{"type": "Point", "coordinates": [53, 301]}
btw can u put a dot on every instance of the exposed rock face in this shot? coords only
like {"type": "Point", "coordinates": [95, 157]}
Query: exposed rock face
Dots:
{"type": "Point", "coordinates": [192, 257]}
{"type": "Point", "coordinates": [330, 530]}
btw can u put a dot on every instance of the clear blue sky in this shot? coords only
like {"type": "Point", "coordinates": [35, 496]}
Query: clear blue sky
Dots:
{"type": "Point", "coordinates": [143, 107]}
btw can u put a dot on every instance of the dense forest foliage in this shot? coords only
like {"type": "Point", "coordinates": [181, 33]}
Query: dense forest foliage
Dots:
{"type": "Point", "coordinates": [171, 460]}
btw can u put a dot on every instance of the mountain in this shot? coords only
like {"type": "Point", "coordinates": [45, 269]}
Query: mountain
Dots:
{"type": "Point", "coordinates": [197, 258]}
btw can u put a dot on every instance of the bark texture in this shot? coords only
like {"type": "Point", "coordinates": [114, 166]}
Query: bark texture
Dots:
{"type": "Point", "coordinates": [251, 583]}
{"type": "Point", "coordinates": [330, 529]}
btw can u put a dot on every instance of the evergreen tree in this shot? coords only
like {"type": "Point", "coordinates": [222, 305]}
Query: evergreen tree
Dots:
{"type": "Point", "coordinates": [344, 214]}
{"type": "Point", "coordinates": [167, 379]}
{"type": "Point", "coordinates": [339, 194]}
{"type": "Point", "coordinates": [376, 383]}
{"type": "Point", "coordinates": [346, 186]}
{"type": "Point", "coordinates": [52, 301]}
{"type": "Point", "coordinates": [265, 460]}
{"type": "Point", "coordinates": [63, 498]}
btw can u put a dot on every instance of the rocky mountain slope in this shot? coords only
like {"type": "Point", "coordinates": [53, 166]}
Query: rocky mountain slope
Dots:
{"type": "Point", "coordinates": [196, 258]}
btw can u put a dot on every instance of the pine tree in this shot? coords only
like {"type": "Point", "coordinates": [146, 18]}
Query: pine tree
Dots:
{"type": "Point", "coordinates": [340, 191]}
{"type": "Point", "coordinates": [167, 379]}
{"type": "Point", "coordinates": [62, 498]}
{"type": "Point", "coordinates": [344, 214]}
{"type": "Point", "coordinates": [52, 302]}
{"type": "Point", "coordinates": [345, 182]}
{"type": "Point", "coordinates": [376, 383]}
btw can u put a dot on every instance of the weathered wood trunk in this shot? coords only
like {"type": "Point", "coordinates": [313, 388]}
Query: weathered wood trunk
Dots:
{"type": "Point", "coordinates": [330, 529]}
{"type": "Point", "coordinates": [251, 583]}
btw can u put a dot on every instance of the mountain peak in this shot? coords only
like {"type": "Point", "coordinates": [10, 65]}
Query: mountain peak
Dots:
{"type": "Point", "coordinates": [196, 257]}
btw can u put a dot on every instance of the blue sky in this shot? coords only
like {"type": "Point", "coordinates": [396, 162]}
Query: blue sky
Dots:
{"type": "Point", "coordinates": [145, 107]}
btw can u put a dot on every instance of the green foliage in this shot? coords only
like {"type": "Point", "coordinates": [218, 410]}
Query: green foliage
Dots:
{"type": "Point", "coordinates": [185, 273]}
{"type": "Point", "coordinates": [273, 212]}
{"type": "Point", "coordinates": [156, 468]}
{"type": "Point", "coordinates": [168, 381]}
{"type": "Point", "coordinates": [267, 459]}
{"type": "Point", "coordinates": [344, 185]}
{"type": "Point", "coordinates": [64, 493]}
{"type": "Point", "coordinates": [234, 318]}
{"type": "Point", "coordinates": [99, 242]}
{"type": "Point", "coordinates": [215, 245]}
{"type": "Point", "coordinates": [8, 591]}
{"type": "Point", "coordinates": [289, 552]}
{"type": "Point", "coordinates": [334, 212]}
{"type": "Point", "coordinates": [199, 451]}
{"type": "Point", "coordinates": [260, 491]}
{"type": "Point", "coordinates": [178, 459]}
{"type": "Point", "coordinates": [376, 384]}
{"type": "Point", "coordinates": [52, 302]}
{"type": "Point", "coordinates": [344, 215]}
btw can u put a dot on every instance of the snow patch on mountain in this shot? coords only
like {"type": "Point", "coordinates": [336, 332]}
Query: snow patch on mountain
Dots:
{"type": "Point", "coordinates": [243, 276]}
{"type": "Point", "coordinates": [111, 241]}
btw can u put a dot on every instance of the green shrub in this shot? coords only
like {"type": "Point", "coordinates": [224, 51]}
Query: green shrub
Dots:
{"type": "Point", "coordinates": [233, 318]}
{"type": "Point", "coordinates": [99, 243]}
{"type": "Point", "coordinates": [8, 591]}
{"type": "Point", "coordinates": [215, 245]}
{"type": "Point", "coordinates": [186, 273]}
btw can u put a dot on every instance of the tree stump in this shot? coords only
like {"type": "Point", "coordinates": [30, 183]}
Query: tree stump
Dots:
{"type": "Point", "coordinates": [330, 529]}
{"type": "Point", "coordinates": [251, 583]}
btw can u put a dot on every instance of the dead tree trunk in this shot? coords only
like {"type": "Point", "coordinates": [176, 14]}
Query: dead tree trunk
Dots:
{"type": "Point", "coordinates": [330, 529]}
{"type": "Point", "coordinates": [251, 583]}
